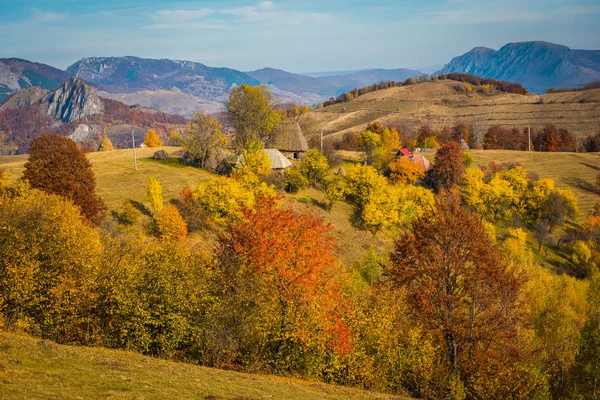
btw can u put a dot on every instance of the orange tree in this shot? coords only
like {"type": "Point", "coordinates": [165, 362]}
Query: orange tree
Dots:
{"type": "Point", "coordinates": [458, 288]}
{"type": "Point", "coordinates": [56, 165]}
{"type": "Point", "coordinates": [278, 281]}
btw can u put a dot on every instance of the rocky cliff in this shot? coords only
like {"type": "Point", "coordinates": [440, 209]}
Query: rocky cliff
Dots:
{"type": "Point", "coordinates": [71, 101]}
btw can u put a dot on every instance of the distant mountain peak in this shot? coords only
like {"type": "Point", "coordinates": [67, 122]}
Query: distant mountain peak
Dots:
{"type": "Point", "coordinates": [73, 100]}
{"type": "Point", "coordinates": [537, 65]}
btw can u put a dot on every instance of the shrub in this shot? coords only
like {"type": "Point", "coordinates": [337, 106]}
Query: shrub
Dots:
{"type": "Point", "coordinates": [128, 215]}
{"type": "Point", "coordinates": [295, 180]}
{"type": "Point", "coordinates": [154, 195]}
{"type": "Point", "coordinates": [170, 226]}
{"type": "Point", "coordinates": [314, 166]}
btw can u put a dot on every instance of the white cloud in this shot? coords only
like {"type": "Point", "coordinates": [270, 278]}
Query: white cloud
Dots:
{"type": "Point", "coordinates": [181, 16]}
{"type": "Point", "coordinates": [265, 11]}
{"type": "Point", "coordinates": [47, 16]}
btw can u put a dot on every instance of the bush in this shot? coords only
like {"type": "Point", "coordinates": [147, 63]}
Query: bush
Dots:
{"type": "Point", "coordinates": [314, 166]}
{"type": "Point", "coordinates": [170, 226]}
{"type": "Point", "coordinates": [128, 215]}
{"type": "Point", "coordinates": [295, 180]}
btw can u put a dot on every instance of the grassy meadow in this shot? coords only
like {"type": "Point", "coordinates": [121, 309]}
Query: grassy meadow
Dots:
{"type": "Point", "coordinates": [31, 368]}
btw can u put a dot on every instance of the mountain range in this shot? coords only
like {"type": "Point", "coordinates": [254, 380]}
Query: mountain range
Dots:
{"type": "Point", "coordinates": [536, 65]}
{"type": "Point", "coordinates": [183, 87]}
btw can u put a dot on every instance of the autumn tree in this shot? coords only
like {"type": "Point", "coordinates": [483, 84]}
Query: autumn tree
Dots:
{"type": "Point", "coordinates": [279, 268]}
{"type": "Point", "coordinates": [56, 165]}
{"type": "Point", "coordinates": [152, 139]}
{"type": "Point", "coordinates": [203, 138]}
{"type": "Point", "coordinates": [154, 195]}
{"type": "Point", "coordinates": [252, 115]}
{"type": "Point", "coordinates": [457, 286]}
{"type": "Point", "coordinates": [174, 138]}
{"type": "Point", "coordinates": [449, 168]}
{"type": "Point", "coordinates": [106, 144]}
{"type": "Point", "coordinates": [403, 170]}
{"type": "Point", "coordinates": [369, 142]}
{"type": "Point", "coordinates": [169, 225]}
{"type": "Point", "coordinates": [314, 166]}
{"type": "Point", "coordinates": [48, 254]}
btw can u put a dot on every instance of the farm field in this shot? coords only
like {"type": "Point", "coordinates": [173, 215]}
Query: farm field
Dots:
{"type": "Point", "coordinates": [40, 369]}
{"type": "Point", "coordinates": [440, 104]}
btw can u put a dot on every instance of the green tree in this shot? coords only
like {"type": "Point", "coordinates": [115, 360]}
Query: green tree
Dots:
{"type": "Point", "coordinates": [56, 165]}
{"type": "Point", "coordinates": [252, 115]}
{"type": "Point", "coordinates": [203, 138]}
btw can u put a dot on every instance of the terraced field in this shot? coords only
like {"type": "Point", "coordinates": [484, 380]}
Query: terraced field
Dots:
{"type": "Point", "coordinates": [440, 104]}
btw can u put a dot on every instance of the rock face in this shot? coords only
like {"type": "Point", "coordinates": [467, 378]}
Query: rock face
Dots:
{"type": "Point", "coordinates": [536, 65]}
{"type": "Point", "coordinates": [71, 101]}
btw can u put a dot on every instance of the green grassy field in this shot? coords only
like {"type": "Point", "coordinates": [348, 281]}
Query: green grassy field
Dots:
{"type": "Point", "coordinates": [39, 369]}
{"type": "Point", "coordinates": [116, 179]}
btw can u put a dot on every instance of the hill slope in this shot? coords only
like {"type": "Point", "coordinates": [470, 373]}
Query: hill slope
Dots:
{"type": "Point", "coordinates": [18, 74]}
{"type": "Point", "coordinates": [118, 74]}
{"type": "Point", "coordinates": [536, 65]}
{"type": "Point", "coordinates": [440, 104]}
{"type": "Point", "coordinates": [39, 369]}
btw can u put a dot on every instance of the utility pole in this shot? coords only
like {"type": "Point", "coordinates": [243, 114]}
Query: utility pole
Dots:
{"type": "Point", "coordinates": [134, 157]}
{"type": "Point", "coordinates": [323, 127]}
{"type": "Point", "coordinates": [529, 137]}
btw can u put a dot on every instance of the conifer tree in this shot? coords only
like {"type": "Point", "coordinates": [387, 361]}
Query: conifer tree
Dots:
{"type": "Point", "coordinates": [151, 139]}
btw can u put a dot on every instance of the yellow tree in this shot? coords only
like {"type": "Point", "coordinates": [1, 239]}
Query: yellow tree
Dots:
{"type": "Point", "coordinates": [252, 115]}
{"type": "Point", "coordinates": [203, 138]}
{"type": "Point", "coordinates": [106, 144]}
{"type": "Point", "coordinates": [369, 142]}
{"type": "Point", "coordinates": [403, 170]}
{"type": "Point", "coordinates": [154, 195]}
{"type": "Point", "coordinates": [152, 139]}
{"type": "Point", "coordinates": [170, 226]}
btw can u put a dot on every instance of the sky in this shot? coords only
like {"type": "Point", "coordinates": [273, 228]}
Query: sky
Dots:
{"type": "Point", "coordinates": [297, 36]}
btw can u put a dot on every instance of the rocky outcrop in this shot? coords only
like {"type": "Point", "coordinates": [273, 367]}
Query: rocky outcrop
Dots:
{"type": "Point", "coordinates": [73, 100]}
{"type": "Point", "coordinates": [24, 97]}
{"type": "Point", "coordinates": [16, 74]}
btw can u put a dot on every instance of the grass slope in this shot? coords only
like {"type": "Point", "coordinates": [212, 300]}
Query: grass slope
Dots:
{"type": "Point", "coordinates": [39, 369]}
{"type": "Point", "coordinates": [575, 171]}
{"type": "Point", "coordinates": [439, 104]}
{"type": "Point", "coordinates": [116, 179]}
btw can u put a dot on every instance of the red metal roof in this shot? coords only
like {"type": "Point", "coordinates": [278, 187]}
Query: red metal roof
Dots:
{"type": "Point", "coordinates": [405, 152]}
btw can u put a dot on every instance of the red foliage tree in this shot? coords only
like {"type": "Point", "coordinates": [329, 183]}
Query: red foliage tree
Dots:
{"type": "Point", "coordinates": [288, 259]}
{"type": "Point", "coordinates": [56, 165]}
{"type": "Point", "coordinates": [457, 286]}
{"type": "Point", "coordinates": [449, 168]}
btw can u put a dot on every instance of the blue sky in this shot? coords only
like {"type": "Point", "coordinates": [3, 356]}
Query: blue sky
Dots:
{"type": "Point", "coordinates": [298, 36]}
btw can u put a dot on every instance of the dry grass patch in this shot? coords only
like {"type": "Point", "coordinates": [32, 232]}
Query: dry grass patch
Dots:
{"type": "Point", "coordinates": [39, 369]}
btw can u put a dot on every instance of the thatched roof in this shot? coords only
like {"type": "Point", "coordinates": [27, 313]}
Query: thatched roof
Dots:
{"type": "Point", "coordinates": [278, 160]}
{"type": "Point", "coordinates": [288, 136]}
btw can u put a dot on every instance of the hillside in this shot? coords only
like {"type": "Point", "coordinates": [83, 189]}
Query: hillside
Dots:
{"type": "Point", "coordinates": [329, 85]}
{"type": "Point", "coordinates": [119, 74]}
{"type": "Point", "coordinates": [74, 109]}
{"type": "Point", "coordinates": [16, 74]}
{"type": "Point", "coordinates": [40, 369]}
{"type": "Point", "coordinates": [441, 103]}
{"type": "Point", "coordinates": [536, 65]}
{"type": "Point", "coordinates": [117, 182]}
